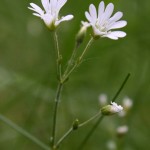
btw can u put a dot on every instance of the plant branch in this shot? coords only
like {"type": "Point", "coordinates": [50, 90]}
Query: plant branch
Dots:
{"type": "Point", "coordinates": [57, 99]}
{"type": "Point", "coordinates": [64, 137]}
{"type": "Point", "coordinates": [100, 119]}
{"type": "Point", "coordinates": [90, 133]}
{"type": "Point", "coordinates": [121, 87]}
{"type": "Point", "coordinates": [86, 48]}
{"type": "Point", "coordinates": [89, 120]}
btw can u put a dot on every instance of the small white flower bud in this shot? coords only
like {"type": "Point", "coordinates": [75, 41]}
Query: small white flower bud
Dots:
{"type": "Point", "coordinates": [102, 99]}
{"type": "Point", "coordinates": [111, 109]}
{"type": "Point", "coordinates": [82, 32]}
{"type": "Point", "coordinates": [127, 103]}
{"type": "Point", "coordinates": [122, 113]}
{"type": "Point", "coordinates": [111, 145]}
{"type": "Point", "coordinates": [122, 130]}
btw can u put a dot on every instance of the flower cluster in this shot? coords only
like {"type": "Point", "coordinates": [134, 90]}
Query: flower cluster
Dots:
{"type": "Point", "coordinates": [122, 110]}
{"type": "Point", "coordinates": [101, 21]}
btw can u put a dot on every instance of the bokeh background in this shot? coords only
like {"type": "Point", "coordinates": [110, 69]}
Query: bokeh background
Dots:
{"type": "Point", "coordinates": [28, 76]}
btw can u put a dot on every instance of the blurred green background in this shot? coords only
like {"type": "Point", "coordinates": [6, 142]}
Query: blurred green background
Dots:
{"type": "Point", "coordinates": [28, 76]}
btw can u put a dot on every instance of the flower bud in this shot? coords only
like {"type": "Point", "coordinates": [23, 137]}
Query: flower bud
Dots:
{"type": "Point", "coordinates": [111, 109]}
{"type": "Point", "coordinates": [82, 32]}
{"type": "Point", "coordinates": [127, 103]}
{"type": "Point", "coordinates": [102, 99]}
{"type": "Point", "coordinates": [122, 130]}
{"type": "Point", "coordinates": [111, 145]}
{"type": "Point", "coordinates": [75, 124]}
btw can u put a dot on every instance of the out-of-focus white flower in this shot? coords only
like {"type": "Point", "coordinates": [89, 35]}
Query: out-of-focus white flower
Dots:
{"type": "Point", "coordinates": [102, 22]}
{"type": "Point", "coordinates": [122, 130]}
{"type": "Point", "coordinates": [50, 14]}
{"type": "Point", "coordinates": [111, 109]}
{"type": "Point", "coordinates": [111, 145]}
{"type": "Point", "coordinates": [122, 113]}
{"type": "Point", "coordinates": [102, 99]}
{"type": "Point", "coordinates": [127, 103]}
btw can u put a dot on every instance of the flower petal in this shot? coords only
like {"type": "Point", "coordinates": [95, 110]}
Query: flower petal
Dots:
{"type": "Point", "coordinates": [119, 33]}
{"type": "Point", "coordinates": [93, 12]}
{"type": "Point", "coordinates": [36, 8]}
{"type": "Point", "coordinates": [53, 6]}
{"type": "Point", "coordinates": [118, 25]}
{"type": "Point", "coordinates": [115, 35]}
{"type": "Point", "coordinates": [109, 10]}
{"type": "Point", "coordinates": [38, 15]}
{"type": "Point", "coordinates": [88, 17]}
{"type": "Point", "coordinates": [116, 17]}
{"type": "Point", "coordinates": [48, 19]}
{"type": "Point", "coordinates": [101, 8]}
{"type": "Point", "coordinates": [45, 4]}
{"type": "Point", "coordinates": [60, 4]}
{"type": "Point", "coordinates": [66, 18]}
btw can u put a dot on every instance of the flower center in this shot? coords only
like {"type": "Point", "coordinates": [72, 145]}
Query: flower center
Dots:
{"type": "Point", "coordinates": [102, 27]}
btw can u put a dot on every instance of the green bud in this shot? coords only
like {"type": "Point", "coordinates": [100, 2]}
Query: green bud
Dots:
{"type": "Point", "coordinates": [106, 110]}
{"type": "Point", "coordinates": [75, 124]}
{"type": "Point", "coordinates": [81, 35]}
{"type": "Point", "coordinates": [82, 32]}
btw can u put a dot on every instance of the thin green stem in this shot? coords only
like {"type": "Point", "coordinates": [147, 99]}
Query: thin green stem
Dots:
{"type": "Point", "coordinates": [57, 99]}
{"type": "Point", "coordinates": [71, 60]}
{"type": "Point", "coordinates": [90, 133]}
{"type": "Point", "coordinates": [89, 120]}
{"type": "Point", "coordinates": [67, 73]}
{"type": "Point", "coordinates": [59, 57]}
{"type": "Point", "coordinates": [86, 48]}
{"type": "Point", "coordinates": [121, 87]}
{"type": "Point", "coordinates": [72, 129]}
{"type": "Point", "coordinates": [24, 132]}
{"type": "Point", "coordinates": [64, 137]}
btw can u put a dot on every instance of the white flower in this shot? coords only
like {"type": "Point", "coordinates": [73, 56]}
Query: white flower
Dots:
{"type": "Point", "coordinates": [111, 145]}
{"type": "Point", "coordinates": [102, 22]}
{"type": "Point", "coordinates": [102, 99]}
{"type": "Point", "coordinates": [127, 103]}
{"type": "Point", "coordinates": [111, 109]}
{"type": "Point", "coordinates": [50, 14]}
{"type": "Point", "coordinates": [116, 108]}
{"type": "Point", "coordinates": [122, 129]}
